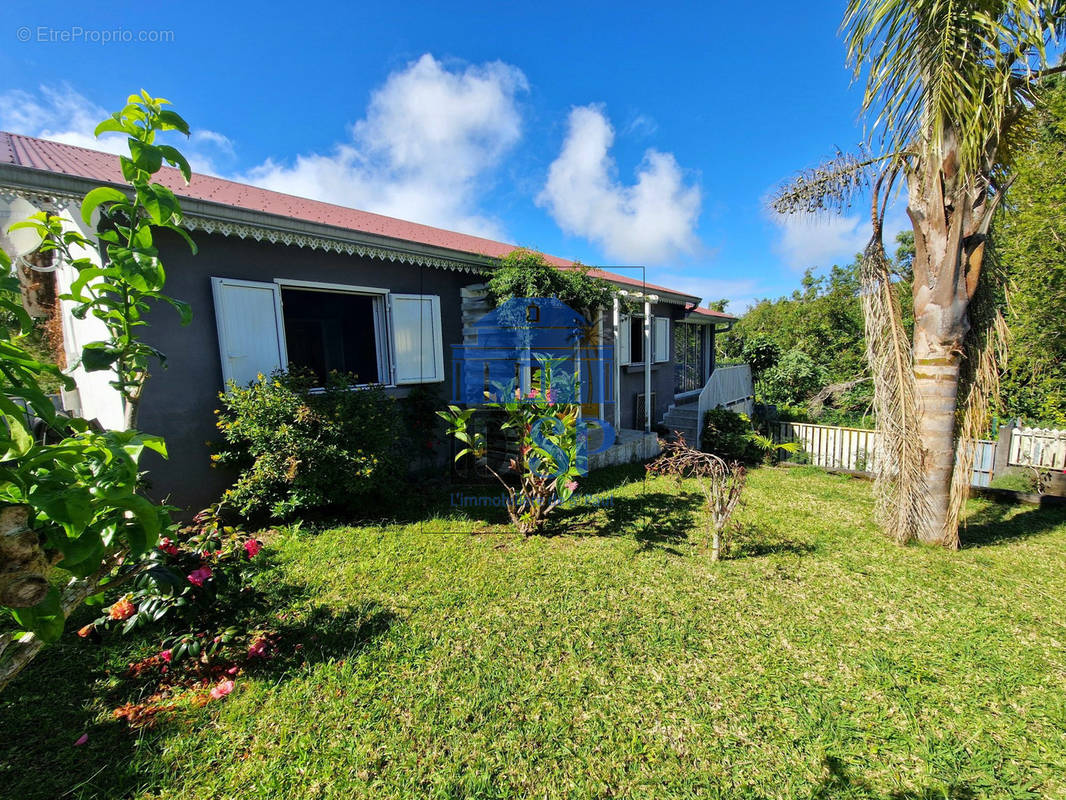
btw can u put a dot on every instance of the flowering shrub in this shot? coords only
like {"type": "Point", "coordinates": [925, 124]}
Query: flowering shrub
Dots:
{"type": "Point", "coordinates": [299, 451]}
{"type": "Point", "coordinates": [550, 456]}
{"type": "Point", "coordinates": [191, 590]}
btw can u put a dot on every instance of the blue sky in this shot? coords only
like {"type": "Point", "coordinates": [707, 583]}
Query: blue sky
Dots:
{"type": "Point", "coordinates": [612, 133]}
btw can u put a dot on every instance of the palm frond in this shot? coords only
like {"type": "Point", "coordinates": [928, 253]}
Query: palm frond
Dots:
{"type": "Point", "coordinates": [830, 186]}
{"type": "Point", "coordinates": [985, 354]}
{"type": "Point", "coordinates": [902, 502]}
{"type": "Point", "coordinates": [960, 68]}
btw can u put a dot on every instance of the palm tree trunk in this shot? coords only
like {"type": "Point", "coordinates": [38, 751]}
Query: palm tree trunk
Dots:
{"type": "Point", "coordinates": [936, 377]}
{"type": "Point", "coordinates": [948, 252]}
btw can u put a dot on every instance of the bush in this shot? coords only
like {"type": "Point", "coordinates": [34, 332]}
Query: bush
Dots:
{"type": "Point", "coordinates": [728, 435]}
{"type": "Point", "coordinates": [792, 380]}
{"type": "Point", "coordinates": [192, 590]}
{"type": "Point", "coordinates": [301, 452]}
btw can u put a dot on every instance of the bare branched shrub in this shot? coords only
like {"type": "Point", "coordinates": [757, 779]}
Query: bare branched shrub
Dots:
{"type": "Point", "coordinates": [722, 484]}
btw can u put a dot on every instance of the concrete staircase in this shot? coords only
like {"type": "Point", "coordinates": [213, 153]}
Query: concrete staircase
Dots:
{"type": "Point", "coordinates": [682, 418]}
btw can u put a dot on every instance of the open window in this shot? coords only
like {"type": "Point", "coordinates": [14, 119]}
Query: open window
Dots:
{"type": "Point", "coordinates": [330, 331]}
{"type": "Point", "coordinates": [631, 340]}
{"type": "Point", "coordinates": [377, 336]}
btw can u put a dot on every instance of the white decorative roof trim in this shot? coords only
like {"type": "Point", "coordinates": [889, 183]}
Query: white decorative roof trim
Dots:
{"type": "Point", "coordinates": [60, 201]}
{"type": "Point", "coordinates": [315, 242]}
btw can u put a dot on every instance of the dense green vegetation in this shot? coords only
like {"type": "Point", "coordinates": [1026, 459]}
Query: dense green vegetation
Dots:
{"type": "Point", "coordinates": [817, 332]}
{"type": "Point", "coordinates": [1031, 243]}
{"type": "Point", "coordinates": [452, 658]}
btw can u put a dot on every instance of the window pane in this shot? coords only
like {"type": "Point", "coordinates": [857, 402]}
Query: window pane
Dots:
{"type": "Point", "coordinates": [329, 331]}
{"type": "Point", "coordinates": [636, 340]}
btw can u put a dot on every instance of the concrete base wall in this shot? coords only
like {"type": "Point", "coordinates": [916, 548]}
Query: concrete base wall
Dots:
{"type": "Point", "coordinates": [629, 447]}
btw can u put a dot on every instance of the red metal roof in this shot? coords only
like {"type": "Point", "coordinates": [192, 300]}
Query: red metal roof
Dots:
{"type": "Point", "coordinates": [711, 313]}
{"type": "Point", "coordinates": [80, 162]}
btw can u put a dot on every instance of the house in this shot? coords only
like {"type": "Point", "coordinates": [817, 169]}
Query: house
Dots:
{"type": "Point", "coordinates": [283, 280]}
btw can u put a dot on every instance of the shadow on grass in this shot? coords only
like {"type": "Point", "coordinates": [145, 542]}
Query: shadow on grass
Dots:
{"type": "Point", "coordinates": [74, 686]}
{"type": "Point", "coordinates": [840, 783]}
{"type": "Point", "coordinates": [656, 520]}
{"type": "Point", "coordinates": [753, 542]}
{"type": "Point", "coordinates": [323, 634]}
{"type": "Point", "coordinates": [997, 523]}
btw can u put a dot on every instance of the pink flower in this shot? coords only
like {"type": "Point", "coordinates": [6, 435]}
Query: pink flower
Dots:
{"type": "Point", "coordinates": [220, 691]}
{"type": "Point", "coordinates": [82, 740]}
{"type": "Point", "coordinates": [252, 547]}
{"type": "Point", "coordinates": [260, 648]}
{"type": "Point", "coordinates": [165, 655]}
{"type": "Point", "coordinates": [531, 393]}
{"type": "Point", "coordinates": [571, 485]}
{"type": "Point", "coordinates": [168, 547]}
{"type": "Point", "coordinates": [198, 576]}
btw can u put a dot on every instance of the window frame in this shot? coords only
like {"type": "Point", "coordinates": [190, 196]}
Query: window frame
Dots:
{"type": "Point", "coordinates": [382, 339]}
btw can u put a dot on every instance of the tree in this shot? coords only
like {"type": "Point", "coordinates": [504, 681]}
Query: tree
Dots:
{"type": "Point", "coordinates": [761, 353]}
{"type": "Point", "coordinates": [1030, 238]}
{"type": "Point", "coordinates": [952, 87]}
{"type": "Point", "coordinates": [74, 498]}
{"type": "Point", "coordinates": [793, 379]}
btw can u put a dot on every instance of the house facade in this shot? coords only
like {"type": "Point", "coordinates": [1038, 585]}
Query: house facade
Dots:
{"type": "Point", "coordinates": [280, 280]}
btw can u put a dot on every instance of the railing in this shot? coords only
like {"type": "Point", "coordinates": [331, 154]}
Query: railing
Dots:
{"type": "Point", "coordinates": [729, 387]}
{"type": "Point", "coordinates": [1038, 447]}
{"type": "Point", "coordinates": [833, 447]}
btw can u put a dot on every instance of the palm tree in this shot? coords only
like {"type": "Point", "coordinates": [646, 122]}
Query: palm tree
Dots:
{"type": "Point", "coordinates": [951, 87]}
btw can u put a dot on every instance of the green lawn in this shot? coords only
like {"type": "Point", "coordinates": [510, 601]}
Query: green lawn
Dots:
{"type": "Point", "coordinates": [454, 659]}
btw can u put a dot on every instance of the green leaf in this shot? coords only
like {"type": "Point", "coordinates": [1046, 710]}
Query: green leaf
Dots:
{"type": "Point", "coordinates": [101, 194]}
{"type": "Point", "coordinates": [46, 619]}
{"type": "Point", "coordinates": [146, 156]}
{"type": "Point", "coordinates": [98, 356]}
{"type": "Point", "coordinates": [71, 507]}
{"type": "Point", "coordinates": [172, 121]}
{"type": "Point", "coordinates": [21, 441]}
{"type": "Point", "coordinates": [174, 157]}
{"type": "Point", "coordinates": [113, 124]}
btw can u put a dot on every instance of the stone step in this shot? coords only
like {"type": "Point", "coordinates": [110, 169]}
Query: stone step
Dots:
{"type": "Point", "coordinates": [681, 417]}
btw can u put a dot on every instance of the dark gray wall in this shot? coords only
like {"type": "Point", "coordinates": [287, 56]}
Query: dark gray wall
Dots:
{"type": "Point", "coordinates": [662, 378]}
{"type": "Point", "coordinates": [179, 401]}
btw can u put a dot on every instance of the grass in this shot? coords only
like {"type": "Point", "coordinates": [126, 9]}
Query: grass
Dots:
{"type": "Point", "coordinates": [614, 660]}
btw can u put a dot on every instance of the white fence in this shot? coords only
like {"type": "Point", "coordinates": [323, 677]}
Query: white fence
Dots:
{"type": "Point", "coordinates": [1038, 447]}
{"type": "Point", "coordinates": [729, 387]}
{"type": "Point", "coordinates": [833, 447]}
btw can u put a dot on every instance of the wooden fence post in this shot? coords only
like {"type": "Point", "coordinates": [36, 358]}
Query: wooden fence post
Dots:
{"type": "Point", "coordinates": [1006, 433]}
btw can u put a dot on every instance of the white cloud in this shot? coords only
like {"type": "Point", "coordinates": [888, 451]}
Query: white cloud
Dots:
{"type": "Point", "coordinates": [61, 114]}
{"type": "Point", "coordinates": [741, 292]}
{"type": "Point", "coordinates": [650, 221]}
{"type": "Point", "coordinates": [819, 241]}
{"type": "Point", "coordinates": [429, 138]}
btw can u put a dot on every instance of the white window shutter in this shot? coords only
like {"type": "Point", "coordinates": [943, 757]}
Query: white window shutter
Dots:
{"type": "Point", "coordinates": [251, 330]}
{"type": "Point", "coordinates": [623, 340]}
{"type": "Point", "coordinates": [417, 346]}
{"type": "Point", "coordinates": [660, 338]}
